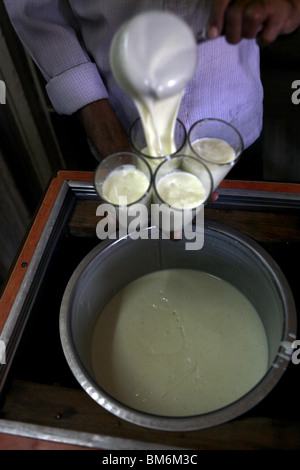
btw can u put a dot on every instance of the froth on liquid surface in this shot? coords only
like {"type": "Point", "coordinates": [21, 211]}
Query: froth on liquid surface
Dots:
{"type": "Point", "coordinates": [214, 150]}
{"type": "Point", "coordinates": [178, 343]}
{"type": "Point", "coordinates": [125, 181]}
{"type": "Point", "coordinates": [218, 155]}
{"type": "Point", "coordinates": [181, 190]}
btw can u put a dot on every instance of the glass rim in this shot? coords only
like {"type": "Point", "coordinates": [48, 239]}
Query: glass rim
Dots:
{"type": "Point", "coordinates": [192, 158]}
{"type": "Point", "coordinates": [106, 201]}
{"type": "Point", "coordinates": [153, 157]}
{"type": "Point", "coordinates": [238, 155]}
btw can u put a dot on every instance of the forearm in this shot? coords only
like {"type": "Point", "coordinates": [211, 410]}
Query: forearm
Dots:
{"type": "Point", "coordinates": [103, 128]}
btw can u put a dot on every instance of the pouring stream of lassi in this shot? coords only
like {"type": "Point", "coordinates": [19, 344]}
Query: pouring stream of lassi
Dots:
{"type": "Point", "coordinates": [153, 57]}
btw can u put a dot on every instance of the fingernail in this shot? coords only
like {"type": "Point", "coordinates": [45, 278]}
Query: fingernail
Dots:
{"type": "Point", "coordinates": [213, 32]}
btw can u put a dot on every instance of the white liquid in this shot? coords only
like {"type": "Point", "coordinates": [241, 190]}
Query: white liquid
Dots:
{"type": "Point", "coordinates": [181, 190]}
{"type": "Point", "coordinates": [127, 181]}
{"type": "Point", "coordinates": [153, 57]}
{"type": "Point", "coordinates": [218, 155]}
{"type": "Point", "coordinates": [159, 119]}
{"type": "Point", "coordinates": [178, 343]}
{"type": "Point", "coordinates": [153, 162]}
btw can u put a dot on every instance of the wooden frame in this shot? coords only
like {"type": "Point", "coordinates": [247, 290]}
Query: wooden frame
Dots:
{"type": "Point", "coordinates": [22, 265]}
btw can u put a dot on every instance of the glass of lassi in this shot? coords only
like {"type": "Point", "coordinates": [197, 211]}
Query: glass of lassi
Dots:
{"type": "Point", "coordinates": [123, 181]}
{"type": "Point", "coordinates": [159, 144]}
{"type": "Point", "coordinates": [181, 186]}
{"type": "Point", "coordinates": [218, 144]}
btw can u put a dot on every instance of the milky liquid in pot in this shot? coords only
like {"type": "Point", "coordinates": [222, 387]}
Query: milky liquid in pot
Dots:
{"type": "Point", "coordinates": [178, 343]}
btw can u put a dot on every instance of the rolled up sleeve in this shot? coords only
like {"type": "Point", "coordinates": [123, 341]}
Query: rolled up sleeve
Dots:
{"type": "Point", "coordinates": [48, 30]}
{"type": "Point", "coordinates": [76, 87]}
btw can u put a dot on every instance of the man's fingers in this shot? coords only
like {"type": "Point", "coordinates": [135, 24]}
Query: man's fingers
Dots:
{"type": "Point", "coordinates": [269, 19]}
{"type": "Point", "coordinates": [234, 19]}
{"type": "Point", "coordinates": [216, 18]}
{"type": "Point", "coordinates": [230, 17]}
{"type": "Point", "coordinates": [252, 18]}
{"type": "Point", "coordinates": [252, 24]}
{"type": "Point", "coordinates": [259, 17]}
{"type": "Point", "coordinates": [272, 28]}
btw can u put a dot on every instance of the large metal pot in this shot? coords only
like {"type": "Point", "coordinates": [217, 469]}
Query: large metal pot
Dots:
{"type": "Point", "coordinates": [227, 254]}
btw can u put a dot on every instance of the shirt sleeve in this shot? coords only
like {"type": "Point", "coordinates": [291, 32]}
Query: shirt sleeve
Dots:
{"type": "Point", "coordinates": [49, 31]}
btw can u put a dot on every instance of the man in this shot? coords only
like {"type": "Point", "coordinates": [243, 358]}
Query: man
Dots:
{"type": "Point", "coordinates": [70, 39]}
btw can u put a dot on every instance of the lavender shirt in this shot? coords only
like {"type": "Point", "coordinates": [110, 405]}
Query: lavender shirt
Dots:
{"type": "Point", "coordinates": [70, 39]}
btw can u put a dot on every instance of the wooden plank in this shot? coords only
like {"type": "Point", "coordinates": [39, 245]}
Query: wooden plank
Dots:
{"type": "Point", "coordinates": [27, 251]}
{"type": "Point", "coordinates": [265, 227]}
{"type": "Point", "coordinates": [269, 186]}
{"type": "Point", "coordinates": [83, 221]}
{"type": "Point", "coordinates": [51, 405]}
{"type": "Point", "coordinates": [22, 262]}
{"type": "Point", "coordinates": [7, 442]}
{"type": "Point", "coordinates": [65, 175]}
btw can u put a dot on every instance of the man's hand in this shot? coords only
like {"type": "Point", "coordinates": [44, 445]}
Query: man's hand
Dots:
{"type": "Point", "coordinates": [103, 128]}
{"type": "Point", "coordinates": [252, 18]}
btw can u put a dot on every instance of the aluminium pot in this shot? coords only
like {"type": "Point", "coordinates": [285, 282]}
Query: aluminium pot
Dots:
{"type": "Point", "coordinates": [226, 254]}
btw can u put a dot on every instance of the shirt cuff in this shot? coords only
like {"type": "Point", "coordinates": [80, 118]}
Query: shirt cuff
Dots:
{"type": "Point", "coordinates": [75, 88]}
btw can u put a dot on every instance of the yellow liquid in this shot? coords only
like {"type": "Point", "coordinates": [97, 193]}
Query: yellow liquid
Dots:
{"type": "Point", "coordinates": [181, 190]}
{"type": "Point", "coordinates": [127, 181]}
{"type": "Point", "coordinates": [214, 150]}
{"type": "Point", "coordinates": [218, 156]}
{"type": "Point", "coordinates": [178, 343]}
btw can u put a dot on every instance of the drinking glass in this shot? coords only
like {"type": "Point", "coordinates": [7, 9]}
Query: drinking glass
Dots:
{"type": "Point", "coordinates": [124, 183]}
{"type": "Point", "coordinates": [204, 131]}
{"type": "Point", "coordinates": [173, 216]}
{"type": "Point", "coordinates": [139, 144]}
